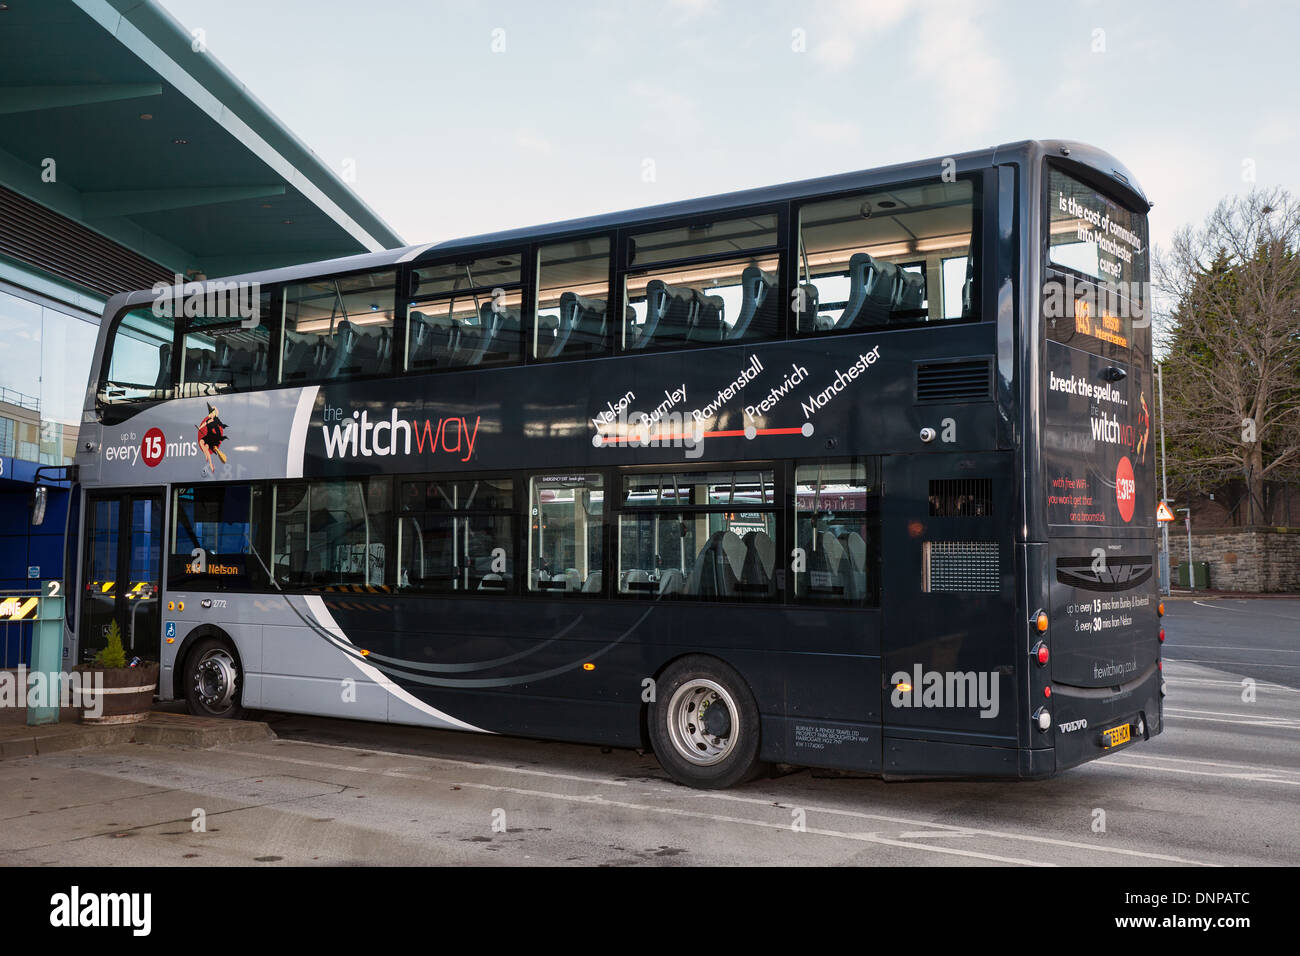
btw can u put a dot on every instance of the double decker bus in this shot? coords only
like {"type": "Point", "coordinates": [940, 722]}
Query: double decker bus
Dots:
{"type": "Point", "coordinates": [849, 473]}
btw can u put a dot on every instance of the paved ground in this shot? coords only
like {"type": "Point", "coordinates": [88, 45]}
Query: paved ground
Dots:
{"type": "Point", "coordinates": [1220, 786]}
{"type": "Point", "coordinates": [1251, 637]}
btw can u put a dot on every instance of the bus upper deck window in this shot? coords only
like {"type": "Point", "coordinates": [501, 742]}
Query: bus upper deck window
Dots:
{"type": "Point", "coordinates": [703, 283]}
{"type": "Point", "coordinates": [882, 259]}
{"type": "Point", "coordinates": [140, 364]}
{"type": "Point", "coordinates": [573, 315]}
{"type": "Point", "coordinates": [339, 327]}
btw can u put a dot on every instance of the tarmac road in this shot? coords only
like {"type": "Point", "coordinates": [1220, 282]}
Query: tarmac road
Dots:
{"type": "Point", "coordinates": [1221, 786]}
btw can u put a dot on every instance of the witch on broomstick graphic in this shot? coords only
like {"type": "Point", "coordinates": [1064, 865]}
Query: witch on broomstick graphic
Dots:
{"type": "Point", "coordinates": [212, 432]}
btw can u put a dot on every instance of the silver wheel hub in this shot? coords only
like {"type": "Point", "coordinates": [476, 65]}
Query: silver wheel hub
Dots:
{"type": "Point", "coordinates": [216, 679]}
{"type": "Point", "coordinates": [702, 722]}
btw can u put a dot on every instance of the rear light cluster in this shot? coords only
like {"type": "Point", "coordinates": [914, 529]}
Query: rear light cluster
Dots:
{"type": "Point", "coordinates": [1042, 717]}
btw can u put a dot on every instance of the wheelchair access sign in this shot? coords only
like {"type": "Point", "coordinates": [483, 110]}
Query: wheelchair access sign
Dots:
{"type": "Point", "coordinates": [171, 629]}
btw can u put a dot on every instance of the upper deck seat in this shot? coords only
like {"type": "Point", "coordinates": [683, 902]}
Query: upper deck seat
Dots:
{"type": "Point", "coordinates": [198, 368]}
{"type": "Point", "coordinates": [809, 301]}
{"type": "Point", "coordinates": [581, 323]}
{"type": "Point", "coordinates": [342, 360]}
{"type": "Point", "coordinates": [911, 295]}
{"type": "Point", "coordinates": [546, 329]}
{"type": "Point", "coordinates": [873, 292]}
{"type": "Point", "coordinates": [433, 341]}
{"type": "Point", "coordinates": [669, 311]}
{"type": "Point", "coordinates": [308, 356]}
{"type": "Point", "coordinates": [164, 379]}
{"type": "Point", "coordinates": [506, 336]}
{"type": "Point", "coordinates": [706, 320]}
{"type": "Point", "coordinates": [260, 370]}
{"type": "Point", "coordinates": [757, 315]}
{"type": "Point", "coordinates": [235, 366]}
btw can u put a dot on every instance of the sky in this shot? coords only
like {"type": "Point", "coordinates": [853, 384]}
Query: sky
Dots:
{"type": "Point", "coordinates": [454, 118]}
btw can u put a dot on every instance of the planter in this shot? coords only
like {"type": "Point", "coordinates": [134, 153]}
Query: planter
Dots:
{"type": "Point", "coordinates": [127, 696]}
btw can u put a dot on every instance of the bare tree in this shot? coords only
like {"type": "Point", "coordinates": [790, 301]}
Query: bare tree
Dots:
{"type": "Point", "coordinates": [1232, 341]}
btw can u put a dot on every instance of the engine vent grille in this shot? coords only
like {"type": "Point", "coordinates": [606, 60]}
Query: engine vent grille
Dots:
{"type": "Point", "coordinates": [960, 566]}
{"type": "Point", "coordinates": [969, 380]}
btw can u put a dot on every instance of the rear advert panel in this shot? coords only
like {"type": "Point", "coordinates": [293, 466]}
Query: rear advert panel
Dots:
{"type": "Point", "coordinates": [1104, 648]}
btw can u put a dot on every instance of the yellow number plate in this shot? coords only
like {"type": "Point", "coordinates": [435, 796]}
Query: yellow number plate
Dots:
{"type": "Point", "coordinates": [1115, 736]}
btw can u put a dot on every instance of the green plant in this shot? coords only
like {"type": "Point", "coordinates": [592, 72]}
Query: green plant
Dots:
{"type": "Point", "coordinates": [113, 654]}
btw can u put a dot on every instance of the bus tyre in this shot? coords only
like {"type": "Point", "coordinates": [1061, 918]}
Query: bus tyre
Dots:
{"type": "Point", "coordinates": [214, 683]}
{"type": "Point", "coordinates": [704, 724]}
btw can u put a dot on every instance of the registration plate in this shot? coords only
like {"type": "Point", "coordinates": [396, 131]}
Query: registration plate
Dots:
{"type": "Point", "coordinates": [1115, 736]}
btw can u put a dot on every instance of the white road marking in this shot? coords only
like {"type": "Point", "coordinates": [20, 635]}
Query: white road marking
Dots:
{"type": "Point", "coordinates": [1262, 776]}
{"type": "Point", "coordinates": [1188, 681]}
{"type": "Point", "coordinates": [597, 800]}
{"type": "Point", "coordinates": [1262, 722]}
{"type": "Point", "coordinates": [966, 830]}
{"type": "Point", "coordinates": [475, 765]}
{"type": "Point", "coordinates": [1221, 664]}
{"type": "Point", "coordinates": [766, 802]}
{"type": "Point", "coordinates": [1239, 647]}
{"type": "Point", "coordinates": [1219, 607]}
{"type": "Point", "coordinates": [1239, 768]}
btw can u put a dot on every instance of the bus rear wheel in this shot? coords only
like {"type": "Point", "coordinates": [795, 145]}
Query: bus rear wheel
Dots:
{"type": "Point", "coordinates": [704, 724]}
{"type": "Point", "coordinates": [214, 682]}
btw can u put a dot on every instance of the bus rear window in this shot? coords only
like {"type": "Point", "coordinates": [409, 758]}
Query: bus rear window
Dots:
{"type": "Point", "coordinates": [1096, 268]}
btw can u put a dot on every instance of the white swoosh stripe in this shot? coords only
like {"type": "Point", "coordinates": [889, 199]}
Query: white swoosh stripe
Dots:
{"type": "Point", "coordinates": [325, 619]}
{"type": "Point", "coordinates": [298, 432]}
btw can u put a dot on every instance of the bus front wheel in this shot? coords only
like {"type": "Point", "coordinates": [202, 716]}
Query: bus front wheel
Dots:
{"type": "Point", "coordinates": [704, 724]}
{"type": "Point", "coordinates": [214, 682]}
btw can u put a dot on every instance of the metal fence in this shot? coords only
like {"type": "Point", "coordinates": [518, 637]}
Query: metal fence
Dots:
{"type": "Point", "coordinates": [17, 612]}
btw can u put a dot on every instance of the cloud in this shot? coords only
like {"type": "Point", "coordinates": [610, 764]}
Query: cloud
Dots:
{"type": "Point", "coordinates": [842, 26]}
{"type": "Point", "coordinates": [533, 141]}
{"type": "Point", "coordinates": [944, 44]}
{"type": "Point", "coordinates": [954, 57]}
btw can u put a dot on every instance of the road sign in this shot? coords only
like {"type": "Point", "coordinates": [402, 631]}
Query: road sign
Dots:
{"type": "Point", "coordinates": [1163, 513]}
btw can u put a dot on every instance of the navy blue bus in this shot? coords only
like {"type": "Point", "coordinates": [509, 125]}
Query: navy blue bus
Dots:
{"type": "Point", "coordinates": [848, 473]}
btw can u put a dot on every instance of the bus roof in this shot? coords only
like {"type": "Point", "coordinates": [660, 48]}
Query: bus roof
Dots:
{"type": "Point", "coordinates": [1074, 153]}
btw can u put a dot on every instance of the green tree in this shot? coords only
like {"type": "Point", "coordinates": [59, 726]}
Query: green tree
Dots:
{"type": "Point", "coordinates": [113, 654]}
{"type": "Point", "coordinates": [1232, 347]}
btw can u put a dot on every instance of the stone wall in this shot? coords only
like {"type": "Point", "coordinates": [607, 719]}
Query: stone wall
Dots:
{"type": "Point", "coordinates": [1243, 559]}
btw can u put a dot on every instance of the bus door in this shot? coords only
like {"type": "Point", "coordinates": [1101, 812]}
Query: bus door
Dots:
{"type": "Point", "coordinates": [948, 631]}
{"type": "Point", "coordinates": [122, 573]}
